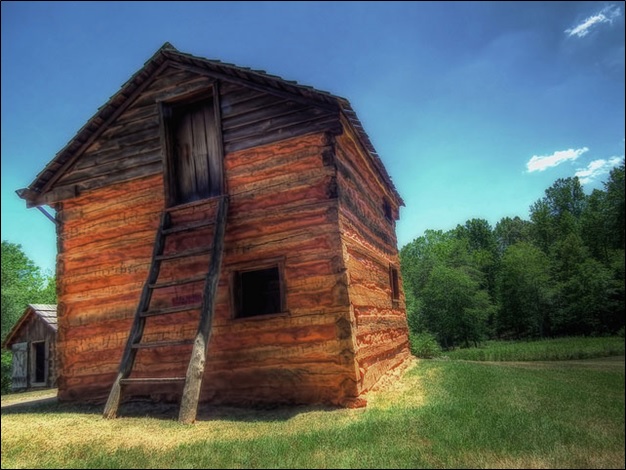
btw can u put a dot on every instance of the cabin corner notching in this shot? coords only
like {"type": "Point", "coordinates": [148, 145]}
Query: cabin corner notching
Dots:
{"type": "Point", "coordinates": [308, 304]}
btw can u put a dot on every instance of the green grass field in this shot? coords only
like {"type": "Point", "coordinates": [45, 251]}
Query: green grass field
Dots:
{"type": "Point", "coordinates": [442, 414]}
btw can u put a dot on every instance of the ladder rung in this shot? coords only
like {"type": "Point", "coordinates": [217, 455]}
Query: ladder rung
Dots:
{"type": "Point", "coordinates": [190, 226]}
{"type": "Point", "coordinates": [177, 282]}
{"type": "Point", "coordinates": [162, 344]}
{"type": "Point", "coordinates": [184, 254]}
{"type": "Point", "coordinates": [151, 380]}
{"type": "Point", "coordinates": [166, 311]}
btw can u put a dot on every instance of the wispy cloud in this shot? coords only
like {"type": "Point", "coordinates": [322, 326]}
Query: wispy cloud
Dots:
{"type": "Point", "coordinates": [606, 15]}
{"type": "Point", "coordinates": [542, 162]}
{"type": "Point", "coordinates": [597, 168]}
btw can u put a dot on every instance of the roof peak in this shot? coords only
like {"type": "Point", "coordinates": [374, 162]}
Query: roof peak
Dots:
{"type": "Point", "coordinates": [167, 46]}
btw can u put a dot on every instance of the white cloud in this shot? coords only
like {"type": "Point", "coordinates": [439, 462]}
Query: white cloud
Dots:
{"type": "Point", "coordinates": [542, 162]}
{"type": "Point", "coordinates": [605, 15]}
{"type": "Point", "coordinates": [597, 168]}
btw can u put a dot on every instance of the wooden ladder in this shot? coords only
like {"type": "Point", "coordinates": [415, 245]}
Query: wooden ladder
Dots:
{"type": "Point", "coordinates": [195, 370]}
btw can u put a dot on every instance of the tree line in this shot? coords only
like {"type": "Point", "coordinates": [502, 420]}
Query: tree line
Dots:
{"type": "Point", "coordinates": [561, 273]}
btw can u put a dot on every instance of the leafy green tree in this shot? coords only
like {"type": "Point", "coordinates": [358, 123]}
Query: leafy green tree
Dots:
{"type": "Point", "coordinates": [430, 265]}
{"type": "Point", "coordinates": [455, 310]}
{"type": "Point", "coordinates": [509, 231]}
{"type": "Point", "coordinates": [566, 195]}
{"type": "Point", "coordinates": [596, 226]}
{"type": "Point", "coordinates": [614, 320]}
{"type": "Point", "coordinates": [22, 283]}
{"type": "Point", "coordinates": [558, 213]}
{"type": "Point", "coordinates": [483, 249]}
{"type": "Point", "coordinates": [583, 291]}
{"type": "Point", "coordinates": [542, 228]}
{"type": "Point", "coordinates": [560, 273]}
{"type": "Point", "coordinates": [524, 292]}
{"type": "Point", "coordinates": [584, 300]}
{"type": "Point", "coordinates": [614, 188]}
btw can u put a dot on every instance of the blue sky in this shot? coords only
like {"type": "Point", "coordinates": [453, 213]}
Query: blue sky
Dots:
{"type": "Point", "coordinates": [475, 107]}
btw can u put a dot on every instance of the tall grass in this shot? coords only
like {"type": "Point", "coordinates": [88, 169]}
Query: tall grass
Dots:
{"type": "Point", "coordinates": [542, 350]}
{"type": "Point", "coordinates": [441, 414]}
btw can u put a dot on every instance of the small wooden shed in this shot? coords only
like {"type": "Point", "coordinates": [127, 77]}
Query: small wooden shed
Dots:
{"type": "Point", "coordinates": [305, 301]}
{"type": "Point", "coordinates": [32, 342]}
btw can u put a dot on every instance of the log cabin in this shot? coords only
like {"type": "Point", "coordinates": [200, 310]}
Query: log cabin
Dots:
{"type": "Point", "coordinates": [227, 234]}
{"type": "Point", "coordinates": [32, 342]}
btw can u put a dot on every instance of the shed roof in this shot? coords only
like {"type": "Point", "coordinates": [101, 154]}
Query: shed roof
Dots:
{"type": "Point", "coordinates": [45, 312]}
{"type": "Point", "coordinates": [165, 56]}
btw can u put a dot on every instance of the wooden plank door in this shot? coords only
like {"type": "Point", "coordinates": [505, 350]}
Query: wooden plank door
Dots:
{"type": "Point", "coordinates": [196, 161]}
{"type": "Point", "coordinates": [19, 378]}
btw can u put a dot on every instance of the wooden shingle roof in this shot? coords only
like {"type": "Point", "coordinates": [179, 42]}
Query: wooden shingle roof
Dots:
{"type": "Point", "coordinates": [168, 54]}
{"type": "Point", "coordinates": [47, 313]}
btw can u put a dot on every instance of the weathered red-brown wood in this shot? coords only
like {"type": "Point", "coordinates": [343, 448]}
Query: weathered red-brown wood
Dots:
{"type": "Point", "coordinates": [380, 332]}
{"type": "Point", "coordinates": [303, 190]}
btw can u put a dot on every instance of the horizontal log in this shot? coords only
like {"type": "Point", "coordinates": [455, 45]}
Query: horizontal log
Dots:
{"type": "Point", "coordinates": [376, 371]}
{"type": "Point", "coordinates": [137, 113]}
{"type": "Point", "coordinates": [282, 131]}
{"type": "Point", "coordinates": [105, 200]}
{"type": "Point", "coordinates": [60, 193]}
{"type": "Point", "coordinates": [265, 107]}
{"type": "Point", "coordinates": [232, 95]}
{"type": "Point", "coordinates": [285, 149]}
{"type": "Point", "coordinates": [103, 169]}
{"type": "Point", "coordinates": [240, 104]}
{"type": "Point", "coordinates": [150, 132]}
{"type": "Point", "coordinates": [349, 143]}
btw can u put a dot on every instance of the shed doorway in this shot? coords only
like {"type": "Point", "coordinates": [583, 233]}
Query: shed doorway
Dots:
{"type": "Point", "coordinates": [39, 363]}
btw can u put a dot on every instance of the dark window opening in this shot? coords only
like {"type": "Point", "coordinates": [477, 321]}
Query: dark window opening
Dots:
{"type": "Point", "coordinates": [258, 292]}
{"type": "Point", "coordinates": [395, 283]}
{"type": "Point", "coordinates": [387, 210]}
{"type": "Point", "coordinates": [39, 362]}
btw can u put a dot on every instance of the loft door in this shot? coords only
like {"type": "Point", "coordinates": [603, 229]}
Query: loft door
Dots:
{"type": "Point", "coordinates": [195, 153]}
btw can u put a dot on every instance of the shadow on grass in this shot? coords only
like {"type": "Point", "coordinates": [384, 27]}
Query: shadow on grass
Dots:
{"type": "Point", "coordinates": [48, 405]}
{"type": "Point", "coordinates": [167, 411]}
{"type": "Point", "coordinates": [207, 412]}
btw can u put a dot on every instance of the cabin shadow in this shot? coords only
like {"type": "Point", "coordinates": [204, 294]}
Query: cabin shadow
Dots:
{"type": "Point", "coordinates": [168, 411]}
{"type": "Point", "coordinates": [48, 405]}
{"type": "Point", "coordinates": [206, 413]}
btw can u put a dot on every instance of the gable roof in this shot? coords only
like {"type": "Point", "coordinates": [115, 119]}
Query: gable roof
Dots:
{"type": "Point", "coordinates": [169, 55]}
{"type": "Point", "coordinates": [45, 312]}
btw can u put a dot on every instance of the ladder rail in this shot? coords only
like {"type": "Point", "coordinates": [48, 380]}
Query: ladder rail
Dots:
{"type": "Point", "coordinates": [193, 379]}
{"type": "Point", "coordinates": [139, 322]}
{"type": "Point", "coordinates": [195, 371]}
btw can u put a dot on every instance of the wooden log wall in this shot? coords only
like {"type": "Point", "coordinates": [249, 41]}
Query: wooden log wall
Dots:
{"type": "Point", "coordinates": [370, 250]}
{"type": "Point", "coordinates": [299, 198]}
{"type": "Point", "coordinates": [130, 148]}
{"type": "Point", "coordinates": [283, 208]}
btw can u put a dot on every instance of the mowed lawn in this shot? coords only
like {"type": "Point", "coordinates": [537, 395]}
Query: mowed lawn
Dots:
{"type": "Point", "coordinates": [438, 414]}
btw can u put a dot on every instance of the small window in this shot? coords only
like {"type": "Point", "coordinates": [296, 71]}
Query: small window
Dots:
{"type": "Point", "coordinates": [395, 284]}
{"type": "Point", "coordinates": [258, 292]}
{"type": "Point", "coordinates": [387, 210]}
